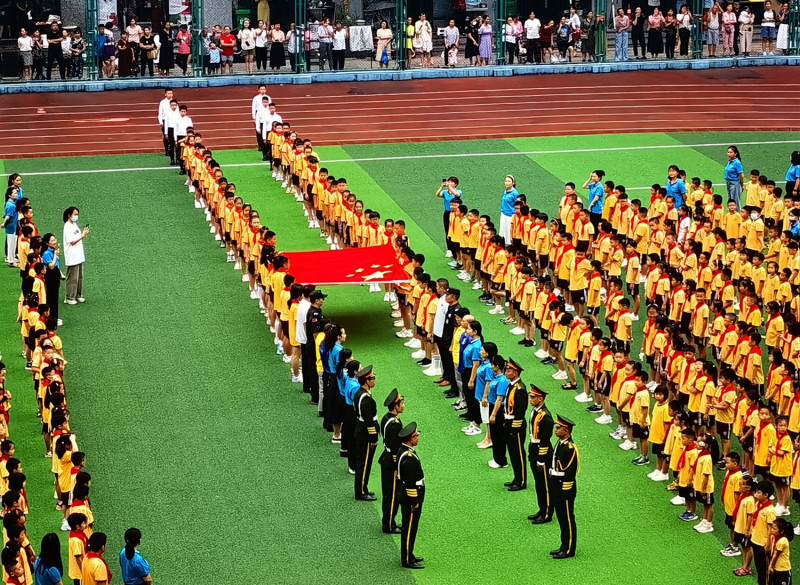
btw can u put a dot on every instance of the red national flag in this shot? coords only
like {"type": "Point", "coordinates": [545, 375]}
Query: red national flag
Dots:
{"type": "Point", "coordinates": [376, 264]}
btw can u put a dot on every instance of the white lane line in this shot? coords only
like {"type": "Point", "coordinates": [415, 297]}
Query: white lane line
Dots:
{"type": "Point", "coordinates": [158, 93]}
{"type": "Point", "coordinates": [433, 156]}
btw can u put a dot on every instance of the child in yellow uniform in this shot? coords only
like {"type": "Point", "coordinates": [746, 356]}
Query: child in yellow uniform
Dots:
{"type": "Point", "coordinates": [763, 518]}
{"type": "Point", "coordinates": [76, 546]}
{"type": "Point", "coordinates": [780, 466]}
{"type": "Point", "coordinates": [731, 490]}
{"type": "Point", "coordinates": [743, 524]}
{"type": "Point", "coordinates": [703, 483]}
{"type": "Point", "coordinates": [765, 436]}
{"type": "Point", "coordinates": [780, 567]}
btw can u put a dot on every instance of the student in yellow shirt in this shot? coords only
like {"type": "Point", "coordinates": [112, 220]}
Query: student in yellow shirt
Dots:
{"type": "Point", "coordinates": [640, 416]}
{"type": "Point", "coordinates": [704, 484]}
{"type": "Point", "coordinates": [685, 468]}
{"type": "Point", "coordinates": [780, 567]}
{"type": "Point", "coordinates": [76, 547]}
{"type": "Point", "coordinates": [764, 437]}
{"type": "Point", "coordinates": [763, 518]}
{"type": "Point", "coordinates": [731, 490]}
{"type": "Point", "coordinates": [662, 419]}
{"type": "Point", "coordinates": [743, 524]}
{"type": "Point", "coordinates": [94, 570]}
{"type": "Point", "coordinates": [579, 278]}
{"type": "Point", "coordinates": [623, 330]}
{"type": "Point", "coordinates": [780, 466]}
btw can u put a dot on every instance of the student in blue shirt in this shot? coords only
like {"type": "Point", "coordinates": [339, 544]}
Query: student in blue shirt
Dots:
{"type": "Point", "coordinates": [348, 386]}
{"type": "Point", "coordinates": [483, 376]}
{"type": "Point", "coordinates": [597, 196]}
{"type": "Point", "coordinates": [10, 224]}
{"type": "Point", "coordinates": [47, 569]}
{"type": "Point", "coordinates": [497, 393]}
{"type": "Point", "coordinates": [329, 351]}
{"type": "Point", "coordinates": [135, 570]}
{"type": "Point", "coordinates": [52, 277]}
{"type": "Point", "coordinates": [510, 195]}
{"type": "Point", "coordinates": [734, 176]}
{"type": "Point", "coordinates": [448, 191]}
{"type": "Point", "coordinates": [471, 360]}
{"type": "Point", "coordinates": [675, 187]}
{"type": "Point", "coordinates": [792, 176]}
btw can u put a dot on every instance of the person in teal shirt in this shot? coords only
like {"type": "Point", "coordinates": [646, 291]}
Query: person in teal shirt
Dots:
{"type": "Point", "coordinates": [47, 569]}
{"type": "Point", "coordinates": [135, 570]}
{"type": "Point", "coordinates": [483, 376]}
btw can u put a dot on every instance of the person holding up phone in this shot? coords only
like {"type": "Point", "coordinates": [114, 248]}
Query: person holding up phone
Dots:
{"type": "Point", "coordinates": [448, 191]}
{"type": "Point", "coordinates": [74, 257]}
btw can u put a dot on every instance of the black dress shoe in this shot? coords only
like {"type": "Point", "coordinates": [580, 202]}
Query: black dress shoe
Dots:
{"type": "Point", "coordinates": [508, 484]}
{"type": "Point", "coordinates": [516, 488]}
{"type": "Point", "coordinates": [555, 552]}
{"type": "Point", "coordinates": [412, 566]}
{"type": "Point", "coordinates": [395, 530]}
{"type": "Point", "coordinates": [424, 362]}
{"type": "Point", "coordinates": [371, 494]}
{"type": "Point", "coordinates": [418, 559]}
{"type": "Point", "coordinates": [540, 520]}
{"type": "Point", "coordinates": [367, 498]}
{"type": "Point", "coordinates": [451, 394]}
{"type": "Point", "coordinates": [534, 516]}
{"type": "Point", "coordinates": [563, 555]}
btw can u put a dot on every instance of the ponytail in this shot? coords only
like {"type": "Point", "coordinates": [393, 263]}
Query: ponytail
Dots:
{"type": "Point", "coordinates": [133, 536]}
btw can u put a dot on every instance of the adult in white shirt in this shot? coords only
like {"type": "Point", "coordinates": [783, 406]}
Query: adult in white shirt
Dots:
{"type": "Point", "coordinates": [423, 40]}
{"type": "Point", "coordinates": [339, 46]}
{"type": "Point", "coordinates": [533, 27]}
{"type": "Point", "coordinates": [746, 20]}
{"type": "Point", "coordinates": [25, 45]}
{"type": "Point", "coordinates": [170, 125]}
{"type": "Point", "coordinates": [683, 227]}
{"type": "Point", "coordinates": [768, 30]}
{"type": "Point", "coordinates": [135, 33]}
{"type": "Point", "coordinates": [255, 107]}
{"type": "Point", "coordinates": [325, 34]}
{"type": "Point", "coordinates": [163, 108]}
{"type": "Point", "coordinates": [247, 37]}
{"type": "Point", "coordinates": [262, 38]}
{"type": "Point", "coordinates": [74, 257]}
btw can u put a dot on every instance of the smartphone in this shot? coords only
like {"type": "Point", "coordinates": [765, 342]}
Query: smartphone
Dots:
{"type": "Point", "coordinates": [444, 180]}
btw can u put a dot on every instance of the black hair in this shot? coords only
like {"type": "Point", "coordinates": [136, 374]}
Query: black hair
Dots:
{"type": "Point", "coordinates": [133, 536]}
{"type": "Point", "coordinates": [96, 542]}
{"type": "Point", "coordinates": [49, 555]}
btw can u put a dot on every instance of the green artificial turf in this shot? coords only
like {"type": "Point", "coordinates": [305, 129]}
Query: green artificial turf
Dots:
{"type": "Point", "coordinates": [195, 435]}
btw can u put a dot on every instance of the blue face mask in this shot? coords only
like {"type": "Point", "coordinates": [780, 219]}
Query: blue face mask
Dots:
{"type": "Point", "coordinates": [74, 219]}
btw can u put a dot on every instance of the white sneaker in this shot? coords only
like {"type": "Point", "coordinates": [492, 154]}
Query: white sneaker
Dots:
{"type": "Point", "coordinates": [625, 263]}
{"type": "Point", "coordinates": [583, 398]}
{"type": "Point", "coordinates": [398, 323]}
{"type": "Point", "coordinates": [476, 286]}
{"type": "Point", "coordinates": [635, 318]}
{"type": "Point", "coordinates": [386, 297]}
{"type": "Point", "coordinates": [705, 528]}
{"type": "Point", "coordinates": [297, 379]}
{"type": "Point", "coordinates": [617, 434]}
{"type": "Point", "coordinates": [419, 354]}
{"type": "Point", "coordinates": [517, 331]}
{"type": "Point", "coordinates": [253, 294]}
{"type": "Point", "coordinates": [413, 343]}
{"type": "Point", "coordinates": [197, 204]}
{"type": "Point", "coordinates": [560, 375]}
{"type": "Point", "coordinates": [395, 314]}
{"type": "Point", "coordinates": [764, 54]}
{"type": "Point", "coordinates": [569, 308]}
{"type": "Point", "coordinates": [464, 277]}
{"type": "Point", "coordinates": [437, 371]}
{"type": "Point", "coordinates": [498, 310]}
{"type": "Point", "coordinates": [467, 428]}
{"type": "Point", "coordinates": [393, 299]}
{"type": "Point", "coordinates": [217, 237]}
{"type": "Point", "coordinates": [541, 354]}
{"type": "Point", "coordinates": [603, 419]}
{"type": "Point", "coordinates": [238, 264]}
{"type": "Point", "coordinates": [652, 385]}
{"type": "Point", "coordinates": [493, 464]}
{"type": "Point", "coordinates": [403, 333]}
{"type": "Point", "coordinates": [626, 445]}
{"type": "Point", "coordinates": [64, 525]}
{"type": "Point", "coordinates": [652, 474]}
{"type": "Point", "coordinates": [677, 501]}
{"type": "Point", "coordinates": [797, 530]}
{"type": "Point", "coordinates": [474, 431]}
{"type": "Point", "coordinates": [286, 359]}
{"type": "Point", "coordinates": [448, 254]}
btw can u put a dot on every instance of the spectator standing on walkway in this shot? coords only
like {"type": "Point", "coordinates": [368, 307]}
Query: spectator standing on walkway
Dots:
{"type": "Point", "coordinates": [77, 49]}
{"type": "Point", "coordinates": [325, 33]}
{"type": "Point", "coordinates": [684, 30]}
{"type": "Point", "coordinates": [655, 42]}
{"type": "Point", "coordinates": [262, 38]}
{"type": "Point", "coordinates": [728, 30]}
{"type": "Point", "coordinates": [423, 40]}
{"type": "Point", "coordinates": [746, 20]}
{"type": "Point", "coordinates": [782, 42]}
{"type": "Point", "coordinates": [277, 56]}
{"type": "Point", "coordinates": [509, 40]}
{"type": "Point", "coordinates": [473, 42]}
{"type": "Point", "coordinates": [768, 31]}
{"type": "Point", "coordinates": [227, 42]}
{"type": "Point", "coordinates": [25, 46]}
{"type": "Point", "coordinates": [588, 36]}
{"type": "Point", "coordinates": [485, 47]}
{"type": "Point", "coordinates": [54, 52]}
{"type": "Point", "coordinates": [339, 47]}
{"type": "Point", "coordinates": [622, 24]}
{"type": "Point", "coordinates": [533, 27]}
{"type": "Point", "coordinates": [38, 55]}
{"type": "Point", "coordinates": [451, 35]}
{"type": "Point", "coordinates": [247, 38]}
{"type": "Point", "coordinates": [713, 26]}
{"type": "Point", "coordinates": [384, 36]}
{"type": "Point", "coordinates": [670, 34]}
{"type": "Point", "coordinates": [134, 36]}
{"type": "Point", "coordinates": [147, 52]}
{"type": "Point", "coordinates": [184, 39]}
{"type": "Point", "coordinates": [166, 54]}
{"type": "Point", "coordinates": [637, 33]}
{"type": "Point", "coordinates": [74, 257]}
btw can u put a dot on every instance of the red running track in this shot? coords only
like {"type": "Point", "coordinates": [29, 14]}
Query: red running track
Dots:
{"type": "Point", "coordinates": [116, 122]}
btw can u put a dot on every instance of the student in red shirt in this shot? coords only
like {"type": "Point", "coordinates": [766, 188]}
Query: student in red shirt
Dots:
{"type": "Point", "coordinates": [227, 42]}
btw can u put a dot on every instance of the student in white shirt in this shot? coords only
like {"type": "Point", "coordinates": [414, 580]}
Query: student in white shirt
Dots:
{"type": "Point", "coordinates": [532, 28]}
{"type": "Point", "coordinates": [163, 109]}
{"type": "Point", "coordinates": [257, 105]}
{"type": "Point", "coordinates": [182, 126]}
{"type": "Point", "coordinates": [170, 125]}
{"type": "Point", "coordinates": [264, 120]}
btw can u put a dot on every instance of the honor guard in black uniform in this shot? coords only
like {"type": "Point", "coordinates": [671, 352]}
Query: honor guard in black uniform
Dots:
{"type": "Point", "coordinates": [390, 429]}
{"type": "Point", "coordinates": [411, 485]}
{"type": "Point", "coordinates": [563, 467]}
{"type": "Point", "coordinates": [540, 452]}
{"type": "Point", "coordinates": [365, 437]}
{"type": "Point", "coordinates": [515, 404]}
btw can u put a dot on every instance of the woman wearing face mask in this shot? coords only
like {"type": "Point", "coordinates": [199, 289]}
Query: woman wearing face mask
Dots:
{"type": "Point", "coordinates": [74, 256]}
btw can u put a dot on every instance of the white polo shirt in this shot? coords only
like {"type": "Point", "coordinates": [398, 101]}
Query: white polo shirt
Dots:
{"type": "Point", "coordinates": [258, 104]}
{"type": "Point", "coordinates": [441, 314]}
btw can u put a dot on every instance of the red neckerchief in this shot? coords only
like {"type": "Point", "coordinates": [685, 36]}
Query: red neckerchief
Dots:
{"type": "Point", "coordinates": [616, 325]}
{"type": "Point", "coordinates": [763, 424]}
{"type": "Point", "coordinates": [778, 437]}
{"type": "Point", "coordinates": [697, 460]}
{"type": "Point", "coordinates": [755, 350]}
{"type": "Point", "coordinates": [697, 308]}
{"type": "Point", "coordinates": [564, 248]}
{"type": "Point", "coordinates": [616, 372]}
{"type": "Point", "coordinates": [635, 392]}
{"type": "Point", "coordinates": [760, 507]}
{"type": "Point", "coordinates": [682, 458]}
{"type": "Point", "coordinates": [688, 369]}
{"type": "Point", "coordinates": [725, 482]}
{"type": "Point", "coordinates": [678, 289]}
{"type": "Point", "coordinates": [80, 535]}
{"type": "Point", "coordinates": [771, 318]}
{"type": "Point", "coordinates": [742, 339]}
{"type": "Point", "coordinates": [94, 555]}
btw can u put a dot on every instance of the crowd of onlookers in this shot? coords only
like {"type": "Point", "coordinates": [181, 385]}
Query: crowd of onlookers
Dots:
{"type": "Point", "coordinates": [725, 29]}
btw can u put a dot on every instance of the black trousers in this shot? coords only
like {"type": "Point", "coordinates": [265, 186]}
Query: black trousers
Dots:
{"type": "Point", "coordinates": [760, 561]}
{"type": "Point", "coordinates": [409, 534]}
{"type": "Point", "coordinates": [446, 221]}
{"type": "Point", "coordinates": [448, 367]}
{"type": "Point", "coordinates": [325, 54]}
{"type": "Point", "coordinates": [261, 58]}
{"type": "Point", "coordinates": [389, 502]}
{"type": "Point", "coordinates": [534, 51]}
{"type": "Point", "coordinates": [498, 435]}
{"type": "Point", "coordinates": [637, 37]}
{"type": "Point", "coordinates": [338, 59]}
{"type": "Point", "coordinates": [348, 428]}
{"type": "Point", "coordinates": [543, 499]}
{"type": "Point", "coordinates": [56, 55]}
{"type": "Point", "coordinates": [565, 512]}
{"type": "Point", "coordinates": [310, 374]}
{"type": "Point", "coordinates": [364, 453]}
{"type": "Point", "coordinates": [473, 406]}
{"type": "Point", "coordinates": [52, 284]}
{"type": "Point", "coordinates": [515, 442]}
{"type": "Point", "coordinates": [259, 139]}
{"type": "Point", "coordinates": [145, 63]}
{"type": "Point", "coordinates": [511, 50]}
{"type": "Point", "coordinates": [683, 33]}
{"type": "Point", "coordinates": [171, 144]}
